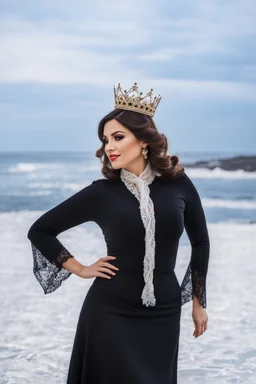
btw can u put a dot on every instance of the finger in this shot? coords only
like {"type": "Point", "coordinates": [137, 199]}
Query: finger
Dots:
{"type": "Point", "coordinates": [201, 329]}
{"type": "Point", "coordinates": [108, 258]}
{"type": "Point", "coordinates": [111, 266]}
{"type": "Point", "coordinates": [103, 275]}
{"type": "Point", "coordinates": [198, 329]}
{"type": "Point", "coordinates": [102, 269]}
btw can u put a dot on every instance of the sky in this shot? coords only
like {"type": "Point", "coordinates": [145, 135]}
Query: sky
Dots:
{"type": "Point", "coordinates": [59, 61]}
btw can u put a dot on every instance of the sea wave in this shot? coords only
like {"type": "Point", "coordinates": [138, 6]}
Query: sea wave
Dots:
{"type": "Point", "coordinates": [233, 204]}
{"type": "Point", "coordinates": [202, 173]}
{"type": "Point", "coordinates": [218, 173]}
{"type": "Point", "coordinates": [91, 168]}
{"type": "Point", "coordinates": [226, 349]}
{"type": "Point", "coordinates": [40, 193]}
{"type": "Point", "coordinates": [67, 186]}
{"type": "Point", "coordinates": [33, 167]}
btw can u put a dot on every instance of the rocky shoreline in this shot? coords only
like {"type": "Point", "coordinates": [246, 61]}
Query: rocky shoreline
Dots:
{"type": "Point", "coordinates": [246, 163]}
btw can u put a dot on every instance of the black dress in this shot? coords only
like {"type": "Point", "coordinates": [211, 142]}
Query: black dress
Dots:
{"type": "Point", "coordinates": [119, 340]}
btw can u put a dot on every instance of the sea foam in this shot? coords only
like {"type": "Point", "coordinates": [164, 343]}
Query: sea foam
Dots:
{"type": "Point", "coordinates": [218, 173]}
{"type": "Point", "coordinates": [37, 330]}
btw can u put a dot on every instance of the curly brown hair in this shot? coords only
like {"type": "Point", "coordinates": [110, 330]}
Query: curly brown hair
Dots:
{"type": "Point", "coordinates": [143, 128]}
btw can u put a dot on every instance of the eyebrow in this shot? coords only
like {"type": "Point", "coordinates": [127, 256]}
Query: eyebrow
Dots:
{"type": "Point", "coordinates": [112, 134]}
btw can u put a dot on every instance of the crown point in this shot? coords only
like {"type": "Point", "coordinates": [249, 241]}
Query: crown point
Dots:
{"type": "Point", "coordinates": [134, 100]}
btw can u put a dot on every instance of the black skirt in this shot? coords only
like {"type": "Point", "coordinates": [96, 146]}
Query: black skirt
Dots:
{"type": "Point", "coordinates": [119, 340]}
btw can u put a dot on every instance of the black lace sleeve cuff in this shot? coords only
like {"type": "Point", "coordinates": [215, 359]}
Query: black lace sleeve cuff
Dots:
{"type": "Point", "coordinates": [193, 285]}
{"type": "Point", "coordinates": [50, 275]}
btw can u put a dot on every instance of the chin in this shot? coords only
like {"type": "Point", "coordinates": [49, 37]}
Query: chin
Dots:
{"type": "Point", "coordinates": [117, 167]}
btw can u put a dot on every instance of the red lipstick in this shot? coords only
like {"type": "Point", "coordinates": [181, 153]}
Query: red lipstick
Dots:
{"type": "Point", "coordinates": [113, 157]}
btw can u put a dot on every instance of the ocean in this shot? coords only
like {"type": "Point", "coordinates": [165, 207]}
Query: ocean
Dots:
{"type": "Point", "coordinates": [37, 330]}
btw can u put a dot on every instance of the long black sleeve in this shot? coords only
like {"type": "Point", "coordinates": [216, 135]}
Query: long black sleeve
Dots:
{"type": "Point", "coordinates": [194, 282]}
{"type": "Point", "coordinates": [48, 252]}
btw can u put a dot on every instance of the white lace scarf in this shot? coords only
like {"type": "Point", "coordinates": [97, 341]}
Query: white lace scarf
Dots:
{"type": "Point", "coordinates": [138, 185]}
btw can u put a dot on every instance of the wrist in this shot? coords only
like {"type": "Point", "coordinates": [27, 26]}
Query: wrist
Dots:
{"type": "Point", "coordinates": [196, 303]}
{"type": "Point", "coordinates": [73, 266]}
{"type": "Point", "coordinates": [79, 272]}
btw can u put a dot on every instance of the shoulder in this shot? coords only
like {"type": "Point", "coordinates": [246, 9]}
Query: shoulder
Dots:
{"type": "Point", "coordinates": [183, 183]}
{"type": "Point", "coordinates": [91, 188]}
{"type": "Point", "coordinates": [184, 179]}
{"type": "Point", "coordinates": [180, 179]}
{"type": "Point", "coordinates": [104, 182]}
{"type": "Point", "coordinates": [100, 183]}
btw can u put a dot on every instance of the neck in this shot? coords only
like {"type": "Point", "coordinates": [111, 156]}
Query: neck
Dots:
{"type": "Point", "coordinates": [138, 168]}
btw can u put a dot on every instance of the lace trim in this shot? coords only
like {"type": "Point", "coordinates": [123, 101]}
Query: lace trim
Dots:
{"type": "Point", "coordinates": [63, 256]}
{"type": "Point", "coordinates": [138, 185]}
{"type": "Point", "coordinates": [193, 284]}
{"type": "Point", "coordinates": [50, 275]}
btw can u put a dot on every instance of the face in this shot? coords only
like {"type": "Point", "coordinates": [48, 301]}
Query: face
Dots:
{"type": "Point", "coordinates": [120, 141]}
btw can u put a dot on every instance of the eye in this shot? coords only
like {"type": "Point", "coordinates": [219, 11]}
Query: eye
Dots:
{"type": "Point", "coordinates": [116, 137]}
{"type": "Point", "coordinates": [119, 137]}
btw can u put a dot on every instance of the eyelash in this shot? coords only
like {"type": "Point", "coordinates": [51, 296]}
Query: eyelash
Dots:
{"type": "Point", "coordinates": [120, 137]}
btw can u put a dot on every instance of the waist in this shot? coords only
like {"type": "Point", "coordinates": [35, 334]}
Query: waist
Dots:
{"type": "Point", "coordinates": [127, 286]}
{"type": "Point", "coordinates": [140, 271]}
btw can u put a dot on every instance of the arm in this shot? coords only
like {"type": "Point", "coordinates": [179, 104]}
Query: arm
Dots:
{"type": "Point", "coordinates": [193, 285]}
{"type": "Point", "coordinates": [49, 253]}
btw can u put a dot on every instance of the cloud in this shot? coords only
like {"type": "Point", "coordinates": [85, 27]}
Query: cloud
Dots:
{"type": "Point", "coordinates": [40, 53]}
{"type": "Point", "coordinates": [190, 88]}
{"type": "Point", "coordinates": [96, 53]}
{"type": "Point", "coordinates": [59, 61]}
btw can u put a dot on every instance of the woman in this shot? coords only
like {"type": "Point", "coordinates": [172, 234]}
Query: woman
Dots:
{"type": "Point", "coordinates": [129, 325]}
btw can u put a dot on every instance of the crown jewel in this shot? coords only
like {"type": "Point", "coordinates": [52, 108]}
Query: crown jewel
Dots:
{"type": "Point", "coordinates": [133, 100]}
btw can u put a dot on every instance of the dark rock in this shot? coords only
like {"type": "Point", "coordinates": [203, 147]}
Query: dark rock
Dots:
{"type": "Point", "coordinates": [246, 163]}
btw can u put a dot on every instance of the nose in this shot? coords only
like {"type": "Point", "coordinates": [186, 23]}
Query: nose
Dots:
{"type": "Point", "coordinates": [109, 148]}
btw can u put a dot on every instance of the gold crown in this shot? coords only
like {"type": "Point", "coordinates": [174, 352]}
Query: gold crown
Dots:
{"type": "Point", "coordinates": [133, 101]}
